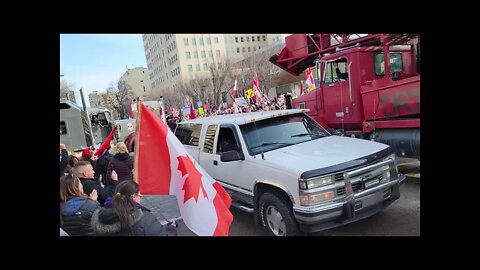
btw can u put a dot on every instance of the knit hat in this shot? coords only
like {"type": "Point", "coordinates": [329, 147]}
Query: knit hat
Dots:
{"type": "Point", "coordinates": [86, 152]}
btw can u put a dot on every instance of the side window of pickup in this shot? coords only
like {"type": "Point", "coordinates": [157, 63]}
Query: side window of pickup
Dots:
{"type": "Point", "coordinates": [209, 139]}
{"type": "Point", "coordinates": [226, 141]}
{"type": "Point", "coordinates": [189, 134]}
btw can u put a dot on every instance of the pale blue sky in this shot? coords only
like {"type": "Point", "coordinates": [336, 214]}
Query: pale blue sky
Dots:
{"type": "Point", "coordinates": [94, 61]}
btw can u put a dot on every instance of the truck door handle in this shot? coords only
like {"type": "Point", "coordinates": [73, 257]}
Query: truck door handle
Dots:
{"type": "Point", "coordinates": [215, 163]}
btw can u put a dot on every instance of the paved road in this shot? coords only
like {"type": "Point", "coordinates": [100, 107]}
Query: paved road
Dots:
{"type": "Point", "coordinates": [401, 218]}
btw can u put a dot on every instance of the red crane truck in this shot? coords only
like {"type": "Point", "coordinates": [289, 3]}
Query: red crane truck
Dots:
{"type": "Point", "coordinates": [368, 86]}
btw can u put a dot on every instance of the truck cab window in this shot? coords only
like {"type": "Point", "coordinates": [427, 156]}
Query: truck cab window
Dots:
{"type": "Point", "coordinates": [102, 120]}
{"type": "Point", "coordinates": [63, 127]}
{"type": "Point", "coordinates": [188, 134]}
{"type": "Point", "coordinates": [336, 71]}
{"type": "Point", "coordinates": [226, 141]}
{"type": "Point", "coordinates": [396, 63]}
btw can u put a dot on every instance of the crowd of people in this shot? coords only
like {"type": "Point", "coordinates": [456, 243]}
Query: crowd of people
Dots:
{"type": "Point", "coordinates": [268, 104]}
{"type": "Point", "coordinates": [98, 196]}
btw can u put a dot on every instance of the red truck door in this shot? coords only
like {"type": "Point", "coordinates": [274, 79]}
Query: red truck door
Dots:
{"type": "Point", "coordinates": [337, 93]}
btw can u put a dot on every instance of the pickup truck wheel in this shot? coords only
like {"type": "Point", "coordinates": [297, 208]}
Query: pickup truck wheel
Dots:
{"type": "Point", "coordinates": [276, 216]}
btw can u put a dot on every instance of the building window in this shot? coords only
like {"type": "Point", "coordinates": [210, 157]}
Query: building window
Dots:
{"type": "Point", "coordinates": [259, 47]}
{"type": "Point", "coordinates": [141, 80]}
{"type": "Point", "coordinates": [209, 41]}
{"type": "Point", "coordinates": [194, 41]}
{"type": "Point", "coordinates": [238, 50]}
{"type": "Point", "coordinates": [241, 39]}
{"type": "Point", "coordinates": [264, 38]}
{"type": "Point", "coordinates": [203, 54]}
{"type": "Point", "coordinates": [248, 39]}
{"type": "Point", "coordinates": [205, 67]}
{"type": "Point", "coordinates": [215, 40]}
{"type": "Point", "coordinates": [197, 67]}
{"type": "Point", "coordinates": [258, 38]}
{"type": "Point", "coordinates": [185, 41]}
{"type": "Point", "coordinates": [201, 41]}
{"type": "Point", "coordinates": [243, 49]}
{"type": "Point", "coordinates": [188, 55]}
{"type": "Point", "coordinates": [236, 39]}
{"type": "Point", "coordinates": [217, 52]}
{"type": "Point", "coordinates": [254, 48]}
{"type": "Point", "coordinates": [143, 71]}
{"type": "Point", "coordinates": [210, 53]}
{"type": "Point", "coordinates": [190, 68]}
{"type": "Point", "coordinates": [195, 54]}
{"type": "Point", "coordinates": [253, 38]}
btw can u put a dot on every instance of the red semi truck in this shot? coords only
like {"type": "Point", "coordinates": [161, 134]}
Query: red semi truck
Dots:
{"type": "Point", "coordinates": [368, 86]}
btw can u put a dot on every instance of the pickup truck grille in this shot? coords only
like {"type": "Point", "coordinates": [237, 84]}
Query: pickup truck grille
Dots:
{"type": "Point", "coordinates": [357, 184]}
{"type": "Point", "coordinates": [356, 187]}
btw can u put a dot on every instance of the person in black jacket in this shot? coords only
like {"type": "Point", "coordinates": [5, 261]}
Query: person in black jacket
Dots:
{"type": "Point", "coordinates": [101, 166]}
{"type": "Point", "coordinates": [126, 217]}
{"type": "Point", "coordinates": [63, 159]}
{"type": "Point", "coordinates": [84, 171]}
{"type": "Point", "coordinates": [76, 208]}
{"type": "Point", "coordinates": [121, 162]}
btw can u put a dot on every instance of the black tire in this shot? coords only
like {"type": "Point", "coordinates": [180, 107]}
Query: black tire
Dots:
{"type": "Point", "coordinates": [276, 216]}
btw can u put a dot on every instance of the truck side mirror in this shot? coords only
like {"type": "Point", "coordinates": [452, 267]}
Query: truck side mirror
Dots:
{"type": "Point", "coordinates": [231, 156]}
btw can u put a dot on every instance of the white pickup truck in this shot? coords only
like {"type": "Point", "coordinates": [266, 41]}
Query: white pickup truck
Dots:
{"type": "Point", "coordinates": [290, 172]}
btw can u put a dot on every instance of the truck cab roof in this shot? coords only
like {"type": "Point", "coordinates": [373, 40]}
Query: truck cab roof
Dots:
{"type": "Point", "coordinates": [244, 118]}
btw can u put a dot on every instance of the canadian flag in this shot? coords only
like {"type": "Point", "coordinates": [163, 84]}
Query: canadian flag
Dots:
{"type": "Point", "coordinates": [301, 89]}
{"type": "Point", "coordinates": [309, 80]}
{"type": "Point", "coordinates": [165, 167]}
{"type": "Point", "coordinates": [105, 143]}
{"type": "Point", "coordinates": [192, 111]}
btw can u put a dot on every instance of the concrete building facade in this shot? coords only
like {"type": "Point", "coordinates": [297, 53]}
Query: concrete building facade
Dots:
{"type": "Point", "coordinates": [95, 99]}
{"type": "Point", "coordinates": [138, 80]}
{"type": "Point", "coordinates": [175, 58]}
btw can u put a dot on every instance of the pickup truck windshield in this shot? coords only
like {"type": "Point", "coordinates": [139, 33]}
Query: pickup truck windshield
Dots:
{"type": "Point", "coordinates": [273, 133]}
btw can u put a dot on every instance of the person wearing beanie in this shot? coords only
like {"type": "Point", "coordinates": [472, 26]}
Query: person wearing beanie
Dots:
{"type": "Point", "coordinates": [87, 156]}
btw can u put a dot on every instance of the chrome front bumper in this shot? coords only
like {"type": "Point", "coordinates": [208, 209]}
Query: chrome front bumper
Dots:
{"type": "Point", "coordinates": [353, 207]}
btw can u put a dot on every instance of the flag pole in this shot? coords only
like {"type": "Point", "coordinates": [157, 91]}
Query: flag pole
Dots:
{"type": "Point", "coordinates": [136, 141]}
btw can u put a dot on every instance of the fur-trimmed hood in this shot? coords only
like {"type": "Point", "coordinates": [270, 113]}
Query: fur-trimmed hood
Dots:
{"type": "Point", "coordinates": [106, 222]}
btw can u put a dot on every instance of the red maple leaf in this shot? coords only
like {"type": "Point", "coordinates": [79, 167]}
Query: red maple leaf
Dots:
{"type": "Point", "coordinates": [193, 183]}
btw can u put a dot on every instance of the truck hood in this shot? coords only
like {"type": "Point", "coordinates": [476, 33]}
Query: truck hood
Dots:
{"type": "Point", "coordinates": [323, 152]}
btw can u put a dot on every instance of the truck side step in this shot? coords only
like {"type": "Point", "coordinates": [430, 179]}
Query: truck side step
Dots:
{"type": "Point", "coordinates": [243, 207]}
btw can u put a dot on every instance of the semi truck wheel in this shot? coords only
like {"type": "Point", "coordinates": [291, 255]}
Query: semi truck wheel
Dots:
{"type": "Point", "coordinates": [276, 216]}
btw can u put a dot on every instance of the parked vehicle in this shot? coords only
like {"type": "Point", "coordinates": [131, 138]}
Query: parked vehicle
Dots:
{"type": "Point", "coordinates": [77, 131]}
{"type": "Point", "coordinates": [291, 173]}
{"type": "Point", "coordinates": [369, 85]}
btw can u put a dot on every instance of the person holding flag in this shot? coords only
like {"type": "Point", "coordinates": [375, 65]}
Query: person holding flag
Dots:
{"type": "Point", "coordinates": [233, 94]}
{"type": "Point", "coordinates": [164, 167]}
{"type": "Point", "coordinates": [256, 90]}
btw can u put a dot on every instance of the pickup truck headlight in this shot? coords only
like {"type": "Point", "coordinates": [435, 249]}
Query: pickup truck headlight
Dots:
{"type": "Point", "coordinates": [316, 182]}
{"type": "Point", "coordinates": [394, 170]}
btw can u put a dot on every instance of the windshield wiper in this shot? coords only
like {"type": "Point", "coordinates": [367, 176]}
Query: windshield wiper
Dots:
{"type": "Point", "coordinates": [307, 134]}
{"type": "Point", "coordinates": [271, 143]}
